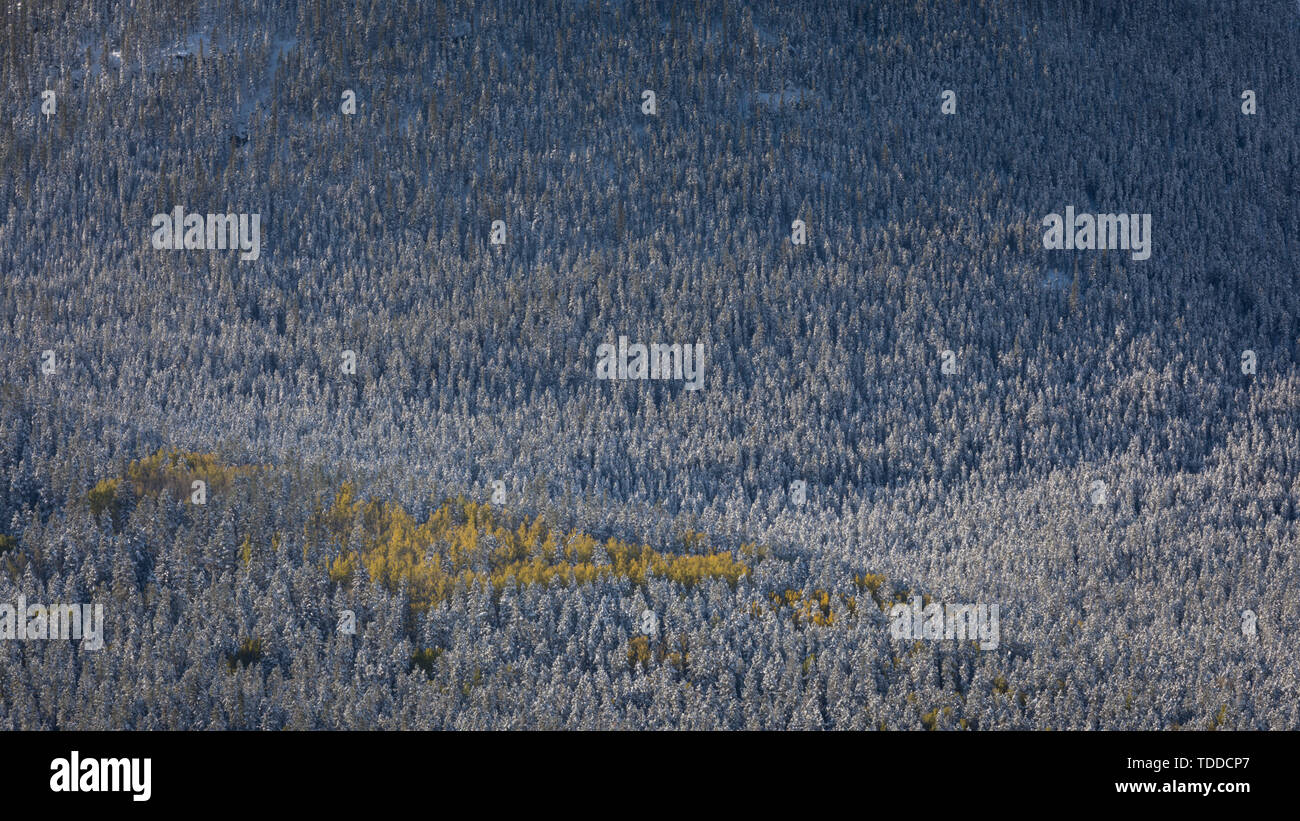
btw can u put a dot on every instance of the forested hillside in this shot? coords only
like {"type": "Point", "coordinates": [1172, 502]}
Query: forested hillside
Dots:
{"type": "Point", "coordinates": [395, 410]}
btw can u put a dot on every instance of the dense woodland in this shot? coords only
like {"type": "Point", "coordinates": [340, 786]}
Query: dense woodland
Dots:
{"type": "Point", "coordinates": [372, 491]}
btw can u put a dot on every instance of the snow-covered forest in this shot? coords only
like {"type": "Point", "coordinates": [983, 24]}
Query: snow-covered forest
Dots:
{"type": "Point", "coordinates": [395, 414]}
